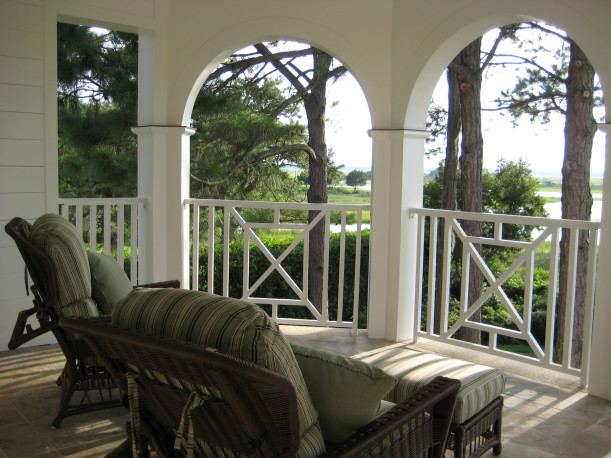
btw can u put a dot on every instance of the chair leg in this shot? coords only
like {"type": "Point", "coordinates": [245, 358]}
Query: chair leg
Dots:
{"type": "Point", "coordinates": [480, 433]}
{"type": "Point", "coordinates": [68, 385]}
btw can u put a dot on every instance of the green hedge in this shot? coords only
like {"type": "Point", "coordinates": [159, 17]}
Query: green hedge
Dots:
{"type": "Point", "coordinates": [276, 287]}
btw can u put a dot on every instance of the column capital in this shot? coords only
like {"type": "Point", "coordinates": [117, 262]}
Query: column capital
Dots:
{"type": "Point", "coordinates": [404, 133]}
{"type": "Point", "coordinates": [163, 129]}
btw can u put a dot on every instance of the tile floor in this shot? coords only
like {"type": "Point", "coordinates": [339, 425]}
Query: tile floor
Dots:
{"type": "Point", "coordinates": [551, 418]}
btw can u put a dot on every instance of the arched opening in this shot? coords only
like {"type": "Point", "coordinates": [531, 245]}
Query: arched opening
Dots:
{"type": "Point", "coordinates": [270, 128]}
{"type": "Point", "coordinates": [509, 284]}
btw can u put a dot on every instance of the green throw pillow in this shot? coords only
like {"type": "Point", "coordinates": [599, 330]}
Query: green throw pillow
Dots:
{"type": "Point", "coordinates": [109, 283]}
{"type": "Point", "coordinates": [346, 392]}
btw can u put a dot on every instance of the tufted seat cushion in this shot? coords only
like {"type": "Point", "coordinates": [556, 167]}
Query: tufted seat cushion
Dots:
{"type": "Point", "coordinates": [480, 385]}
{"type": "Point", "coordinates": [229, 325]}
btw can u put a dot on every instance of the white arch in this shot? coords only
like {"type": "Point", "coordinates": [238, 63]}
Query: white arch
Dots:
{"type": "Point", "coordinates": [214, 50]}
{"type": "Point", "coordinates": [462, 28]}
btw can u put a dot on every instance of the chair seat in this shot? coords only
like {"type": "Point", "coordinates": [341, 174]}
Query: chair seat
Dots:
{"type": "Point", "coordinates": [480, 385]}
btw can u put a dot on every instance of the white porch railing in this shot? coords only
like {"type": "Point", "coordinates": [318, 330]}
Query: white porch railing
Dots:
{"type": "Point", "coordinates": [113, 229]}
{"type": "Point", "coordinates": [224, 221]}
{"type": "Point", "coordinates": [521, 315]}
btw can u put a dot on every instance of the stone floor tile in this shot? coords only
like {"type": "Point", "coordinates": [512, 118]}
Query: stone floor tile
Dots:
{"type": "Point", "coordinates": [99, 447]}
{"type": "Point", "coordinates": [24, 440]}
{"type": "Point", "coordinates": [562, 441]}
{"type": "Point", "coordinates": [513, 449]}
{"type": "Point", "coordinates": [602, 430]}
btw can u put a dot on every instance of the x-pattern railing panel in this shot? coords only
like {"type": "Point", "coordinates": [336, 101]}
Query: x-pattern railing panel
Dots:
{"type": "Point", "coordinates": [523, 264]}
{"type": "Point", "coordinates": [234, 221]}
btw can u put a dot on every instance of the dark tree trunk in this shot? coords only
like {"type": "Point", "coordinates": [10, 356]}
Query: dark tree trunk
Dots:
{"type": "Point", "coordinates": [315, 103]}
{"type": "Point", "coordinates": [448, 193]}
{"type": "Point", "coordinates": [471, 160]}
{"type": "Point", "coordinates": [579, 130]}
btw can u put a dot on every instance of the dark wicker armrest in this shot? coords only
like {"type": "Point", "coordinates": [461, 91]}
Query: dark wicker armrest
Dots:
{"type": "Point", "coordinates": [161, 284]}
{"type": "Point", "coordinates": [438, 398]}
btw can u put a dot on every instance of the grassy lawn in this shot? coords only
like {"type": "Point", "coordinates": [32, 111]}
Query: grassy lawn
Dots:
{"type": "Point", "coordinates": [350, 196]}
{"type": "Point", "coordinates": [520, 349]}
{"type": "Point", "coordinates": [555, 185]}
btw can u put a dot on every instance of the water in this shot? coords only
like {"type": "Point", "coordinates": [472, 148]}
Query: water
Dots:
{"type": "Point", "coordinates": [554, 209]}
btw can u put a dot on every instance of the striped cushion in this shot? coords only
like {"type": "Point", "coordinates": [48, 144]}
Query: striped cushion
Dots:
{"type": "Point", "coordinates": [479, 384]}
{"type": "Point", "coordinates": [59, 240]}
{"type": "Point", "coordinates": [232, 326]}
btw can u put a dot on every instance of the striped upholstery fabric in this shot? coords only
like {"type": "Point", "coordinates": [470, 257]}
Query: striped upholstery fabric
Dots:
{"type": "Point", "coordinates": [480, 384]}
{"type": "Point", "coordinates": [60, 241]}
{"type": "Point", "coordinates": [231, 326]}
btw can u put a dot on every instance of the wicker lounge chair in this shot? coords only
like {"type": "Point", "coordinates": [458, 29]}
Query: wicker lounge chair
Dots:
{"type": "Point", "coordinates": [200, 400]}
{"type": "Point", "coordinates": [67, 279]}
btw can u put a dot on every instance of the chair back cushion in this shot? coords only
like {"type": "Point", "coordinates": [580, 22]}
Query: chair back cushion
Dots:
{"type": "Point", "coordinates": [109, 283]}
{"type": "Point", "coordinates": [231, 326]}
{"type": "Point", "coordinates": [60, 241]}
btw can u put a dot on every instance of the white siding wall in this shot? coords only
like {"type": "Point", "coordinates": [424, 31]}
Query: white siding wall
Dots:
{"type": "Point", "coordinates": [22, 172]}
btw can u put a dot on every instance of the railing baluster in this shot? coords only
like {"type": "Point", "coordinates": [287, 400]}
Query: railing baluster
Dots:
{"type": "Point", "coordinates": [245, 263]}
{"type": "Point", "coordinates": [430, 300]}
{"type": "Point", "coordinates": [552, 287]}
{"type": "Point", "coordinates": [589, 306]}
{"type": "Point", "coordinates": [340, 276]}
{"type": "Point", "coordinates": [93, 223]}
{"type": "Point", "coordinates": [195, 248]}
{"type": "Point", "coordinates": [211, 229]}
{"type": "Point", "coordinates": [121, 234]}
{"type": "Point", "coordinates": [445, 283]}
{"type": "Point", "coordinates": [419, 273]}
{"type": "Point", "coordinates": [226, 252]}
{"type": "Point", "coordinates": [79, 217]}
{"type": "Point", "coordinates": [134, 255]}
{"type": "Point", "coordinates": [106, 229]}
{"type": "Point", "coordinates": [569, 308]}
{"type": "Point", "coordinates": [357, 272]}
{"type": "Point", "coordinates": [325, 275]}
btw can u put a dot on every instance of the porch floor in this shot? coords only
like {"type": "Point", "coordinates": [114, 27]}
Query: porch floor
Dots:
{"type": "Point", "coordinates": [545, 415]}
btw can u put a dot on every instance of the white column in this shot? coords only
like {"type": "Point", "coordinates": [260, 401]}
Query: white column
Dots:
{"type": "Point", "coordinates": [600, 360]}
{"type": "Point", "coordinates": [398, 176]}
{"type": "Point", "coordinates": [163, 179]}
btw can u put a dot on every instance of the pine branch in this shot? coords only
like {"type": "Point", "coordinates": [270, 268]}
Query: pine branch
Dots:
{"type": "Point", "coordinates": [525, 60]}
{"type": "Point", "coordinates": [243, 64]}
{"type": "Point", "coordinates": [504, 32]}
{"type": "Point", "coordinates": [255, 158]}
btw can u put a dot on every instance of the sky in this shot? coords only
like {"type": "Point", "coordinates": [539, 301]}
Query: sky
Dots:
{"type": "Point", "coordinates": [542, 145]}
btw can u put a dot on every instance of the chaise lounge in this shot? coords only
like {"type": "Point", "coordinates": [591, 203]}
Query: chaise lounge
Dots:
{"type": "Point", "coordinates": [215, 376]}
{"type": "Point", "coordinates": [69, 280]}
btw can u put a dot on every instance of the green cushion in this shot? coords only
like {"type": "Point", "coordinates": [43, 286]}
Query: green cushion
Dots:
{"type": "Point", "coordinates": [109, 283]}
{"type": "Point", "coordinates": [346, 392]}
{"type": "Point", "coordinates": [479, 384]}
{"type": "Point", "coordinates": [61, 242]}
{"type": "Point", "coordinates": [231, 326]}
